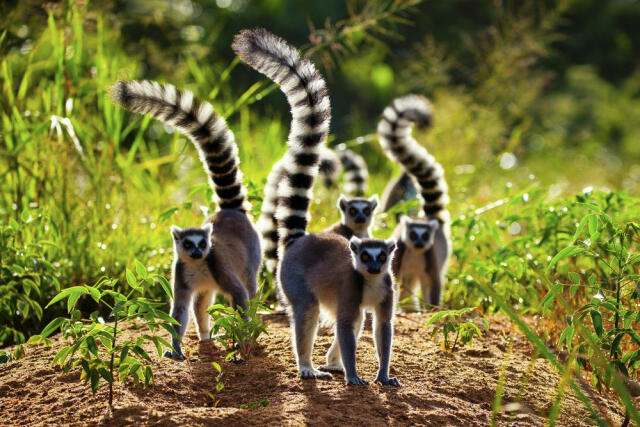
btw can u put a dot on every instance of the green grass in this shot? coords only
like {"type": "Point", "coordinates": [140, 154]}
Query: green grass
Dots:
{"type": "Point", "coordinates": [84, 198]}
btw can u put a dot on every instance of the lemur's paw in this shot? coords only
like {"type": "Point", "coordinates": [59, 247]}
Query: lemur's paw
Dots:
{"type": "Point", "coordinates": [331, 368]}
{"type": "Point", "coordinates": [310, 373]}
{"type": "Point", "coordinates": [356, 380]}
{"type": "Point", "coordinates": [392, 381]}
{"type": "Point", "coordinates": [174, 355]}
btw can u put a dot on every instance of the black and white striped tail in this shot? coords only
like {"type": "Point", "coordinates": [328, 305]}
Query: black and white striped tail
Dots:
{"type": "Point", "coordinates": [267, 223]}
{"type": "Point", "coordinates": [356, 173]}
{"type": "Point", "coordinates": [197, 120]}
{"type": "Point", "coordinates": [329, 167]}
{"type": "Point", "coordinates": [394, 132]}
{"type": "Point", "coordinates": [308, 97]}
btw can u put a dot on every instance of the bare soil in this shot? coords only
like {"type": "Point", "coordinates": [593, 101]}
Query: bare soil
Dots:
{"type": "Point", "coordinates": [438, 387]}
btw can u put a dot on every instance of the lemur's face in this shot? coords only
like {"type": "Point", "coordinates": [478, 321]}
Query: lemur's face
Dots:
{"type": "Point", "coordinates": [192, 243]}
{"type": "Point", "coordinates": [357, 212]}
{"type": "Point", "coordinates": [419, 233]}
{"type": "Point", "coordinates": [371, 256]}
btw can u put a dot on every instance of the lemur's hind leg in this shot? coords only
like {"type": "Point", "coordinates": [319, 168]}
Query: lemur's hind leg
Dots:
{"type": "Point", "coordinates": [334, 360]}
{"type": "Point", "coordinates": [305, 326]}
{"type": "Point", "coordinates": [180, 308]}
{"type": "Point", "coordinates": [201, 303]}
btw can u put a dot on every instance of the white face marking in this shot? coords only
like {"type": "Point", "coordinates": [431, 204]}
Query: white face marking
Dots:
{"type": "Point", "coordinates": [360, 205]}
{"type": "Point", "coordinates": [373, 252]}
{"type": "Point", "coordinates": [195, 239]}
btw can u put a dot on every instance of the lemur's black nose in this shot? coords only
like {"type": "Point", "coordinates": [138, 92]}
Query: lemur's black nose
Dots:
{"type": "Point", "coordinates": [419, 245]}
{"type": "Point", "coordinates": [360, 220]}
{"type": "Point", "coordinates": [373, 270]}
{"type": "Point", "coordinates": [196, 255]}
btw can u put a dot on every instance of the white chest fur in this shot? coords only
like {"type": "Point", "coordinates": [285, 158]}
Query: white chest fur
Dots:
{"type": "Point", "coordinates": [412, 268]}
{"type": "Point", "coordinates": [198, 276]}
{"type": "Point", "coordinates": [374, 291]}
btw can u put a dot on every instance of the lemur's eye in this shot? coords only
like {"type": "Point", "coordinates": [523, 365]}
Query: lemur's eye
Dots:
{"type": "Point", "coordinates": [352, 211]}
{"type": "Point", "coordinates": [413, 235]}
{"type": "Point", "coordinates": [382, 257]}
{"type": "Point", "coordinates": [202, 244]}
{"type": "Point", "coordinates": [367, 211]}
{"type": "Point", "coordinates": [365, 257]}
{"type": "Point", "coordinates": [187, 244]}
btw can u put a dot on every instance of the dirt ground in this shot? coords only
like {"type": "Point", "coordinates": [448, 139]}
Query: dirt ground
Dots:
{"type": "Point", "coordinates": [438, 387]}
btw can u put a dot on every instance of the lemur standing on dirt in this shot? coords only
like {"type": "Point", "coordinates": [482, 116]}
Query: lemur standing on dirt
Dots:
{"type": "Point", "coordinates": [319, 269]}
{"type": "Point", "coordinates": [423, 243]}
{"type": "Point", "coordinates": [356, 211]}
{"type": "Point", "coordinates": [224, 254]}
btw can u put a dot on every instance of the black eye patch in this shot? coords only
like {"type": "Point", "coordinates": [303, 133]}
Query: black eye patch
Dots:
{"type": "Point", "coordinates": [365, 257]}
{"type": "Point", "coordinates": [187, 244]}
{"type": "Point", "coordinates": [202, 244]}
{"type": "Point", "coordinates": [352, 211]}
{"type": "Point", "coordinates": [367, 211]}
{"type": "Point", "coordinates": [382, 257]}
{"type": "Point", "coordinates": [413, 235]}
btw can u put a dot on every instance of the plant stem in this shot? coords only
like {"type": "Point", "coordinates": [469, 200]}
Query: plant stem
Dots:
{"type": "Point", "coordinates": [455, 341]}
{"type": "Point", "coordinates": [113, 354]}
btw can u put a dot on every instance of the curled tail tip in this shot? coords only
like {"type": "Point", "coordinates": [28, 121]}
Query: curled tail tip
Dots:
{"type": "Point", "coordinates": [249, 42]}
{"type": "Point", "coordinates": [416, 108]}
{"type": "Point", "coordinates": [244, 43]}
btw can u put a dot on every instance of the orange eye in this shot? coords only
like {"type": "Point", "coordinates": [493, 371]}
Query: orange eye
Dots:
{"type": "Point", "coordinates": [365, 257]}
{"type": "Point", "coordinates": [382, 257]}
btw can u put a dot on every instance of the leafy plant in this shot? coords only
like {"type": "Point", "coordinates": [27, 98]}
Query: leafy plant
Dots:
{"type": "Point", "coordinates": [98, 347]}
{"type": "Point", "coordinates": [459, 322]}
{"type": "Point", "coordinates": [219, 385]}
{"type": "Point", "coordinates": [238, 329]}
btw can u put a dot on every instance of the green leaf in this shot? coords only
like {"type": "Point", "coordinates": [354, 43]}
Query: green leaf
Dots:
{"type": "Point", "coordinates": [567, 252]}
{"type": "Point", "coordinates": [52, 326]}
{"type": "Point", "coordinates": [166, 286]}
{"type": "Point", "coordinates": [131, 280]}
{"type": "Point", "coordinates": [167, 214]}
{"type": "Point", "coordinates": [141, 270]}
{"type": "Point", "coordinates": [596, 318]}
{"type": "Point", "coordinates": [104, 373]}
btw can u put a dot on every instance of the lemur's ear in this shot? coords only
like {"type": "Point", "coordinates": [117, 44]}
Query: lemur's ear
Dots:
{"type": "Point", "coordinates": [434, 223]}
{"type": "Point", "coordinates": [403, 219]}
{"type": "Point", "coordinates": [374, 201]}
{"type": "Point", "coordinates": [354, 243]}
{"type": "Point", "coordinates": [175, 232]}
{"type": "Point", "coordinates": [391, 245]}
{"type": "Point", "coordinates": [342, 202]}
{"type": "Point", "coordinates": [208, 227]}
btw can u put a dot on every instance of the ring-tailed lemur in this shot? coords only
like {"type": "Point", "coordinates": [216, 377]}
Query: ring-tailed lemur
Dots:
{"type": "Point", "coordinates": [224, 254]}
{"type": "Point", "coordinates": [423, 243]}
{"type": "Point", "coordinates": [356, 212]}
{"type": "Point", "coordinates": [318, 269]}
{"type": "Point", "coordinates": [356, 215]}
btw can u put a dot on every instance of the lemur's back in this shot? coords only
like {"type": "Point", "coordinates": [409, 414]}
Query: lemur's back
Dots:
{"type": "Point", "coordinates": [305, 264]}
{"type": "Point", "coordinates": [236, 245]}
